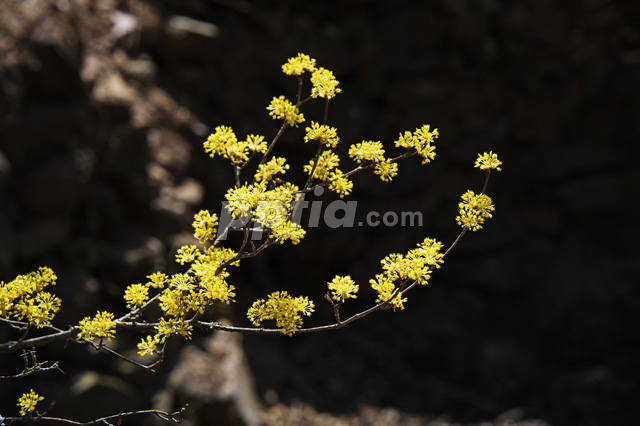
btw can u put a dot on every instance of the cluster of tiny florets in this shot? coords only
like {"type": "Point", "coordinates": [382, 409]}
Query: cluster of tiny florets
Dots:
{"type": "Point", "coordinates": [281, 108]}
{"type": "Point", "coordinates": [205, 226]}
{"type": "Point", "coordinates": [473, 210]}
{"type": "Point", "coordinates": [343, 288]}
{"type": "Point", "coordinates": [400, 269]}
{"type": "Point", "coordinates": [286, 310]}
{"type": "Point", "coordinates": [275, 166]}
{"type": "Point", "coordinates": [421, 140]}
{"type": "Point", "coordinates": [488, 161]}
{"type": "Point", "coordinates": [27, 402]}
{"type": "Point", "coordinates": [271, 208]}
{"type": "Point", "coordinates": [324, 83]}
{"type": "Point", "coordinates": [101, 326]}
{"type": "Point", "coordinates": [324, 134]}
{"type": "Point", "coordinates": [328, 173]}
{"type": "Point", "coordinates": [225, 143]}
{"type": "Point", "coordinates": [136, 295]}
{"type": "Point", "coordinates": [24, 298]}
{"type": "Point", "coordinates": [373, 151]}
{"type": "Point", "coordinates": [299, 65]}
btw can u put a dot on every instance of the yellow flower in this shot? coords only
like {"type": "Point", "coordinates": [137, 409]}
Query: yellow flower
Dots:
{"type": "Point", "coordinates": [424, 138]}
{"type": "Point", "coordinates": [327, 162]}
{"type": "Point", "coordinates": [213, 287]}
{"type": "Point", "coordinates": [182, 282]}
{"type": "Point", "coordinates": [287, 231]}
{"type": "Point", "coordinates": [286, 310]}
{"type": "Point", "coordinates": [272, 213]}
{"type": "Point", "coordinates": [367, 151]}
{"type": "Point", "coordinates": [204, 225]}
{"type": "Point", "coordinates": [209, 260]}
{"type": "Point", "coordinates": [136, 295]}
{"type": "Point", "coordinates": [157, 280]}
{"type": "Point", "coordinates": [386, 169]}
{"type": "Point", "coordinates": [244, 199]}
{"type": "Point", "coordinates": [148, 345]}
{"type": "Point", "coordinates": [429, 250]}
{"type": "Point", "coordinates": [102, 325]}
{"type": "Point", "coordinates": [164, 329]}
{"type": "Point", "coordinates": [487, 161]}
{"type": "Point", "coordinates": [256, 143]}
{"type": "Point", "coordinates": [27, 402]}
{"type": "Point", "coordinates": [385, 287]}
{"type": "Point", "coordinates": [225, 143]}
{"type": "Point", "coordinates": [187, 254]}
{"type": "Point", "coordinates": [324, 83]}
{"type": "Point", "coordinates": [299, 64]}
{"type": "Point", "coordinates": [282, 109]}
{"type": "Point", "coordinates": [473, 210]}
{"type": "Point", "coordinates": [182, 328]}
{"type": "Point", "coordinates": [342, 288]}
{"type": "Point", "coordinates": [421, 140]}
{"type": "Point", "coordinates": [406, 140]}
{"type": "Point", "coordinates": [340, 184]}
{"type": "Point", "coordinates": [172, 303]}
{"type": "Point", "coordinates": [24, 297]}
{"type": "Point", "coordinates": [266, 171]}
{"type": "Point", "coordinates": [323, 133]}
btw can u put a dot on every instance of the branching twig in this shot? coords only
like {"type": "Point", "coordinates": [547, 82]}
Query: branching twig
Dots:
{"type": "Point", "coordinates": [175, 417]}
{"type": "Point", "coordinates": [32, 366]}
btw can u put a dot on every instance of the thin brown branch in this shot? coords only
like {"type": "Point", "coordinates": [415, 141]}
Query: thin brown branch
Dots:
{"type": "Point", "coordinates": [32, 366]}
{"type": "Point", "coordinates": [273, 143]}
{"type": "Point", "coordinates": [486, 181]}
{"type": "Point", "coordinates": [175, 417]}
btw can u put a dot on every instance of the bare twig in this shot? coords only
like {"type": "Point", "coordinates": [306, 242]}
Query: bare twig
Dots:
{"type": "Point", "coordinates": [32, 366]}
{"type": "Point", "coordinates": [175, 417]}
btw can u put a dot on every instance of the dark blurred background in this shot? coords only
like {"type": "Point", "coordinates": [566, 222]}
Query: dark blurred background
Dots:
{"type": "Point", "coordinates": [104, 106]}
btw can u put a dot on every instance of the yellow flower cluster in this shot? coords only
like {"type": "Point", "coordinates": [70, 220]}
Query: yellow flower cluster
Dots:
{"type": "Point", "coordinates": [280, 306]}
{"type": "Point", "coordinates": [270, 208]}
{"type": "Point", "coordinates": [281, 108]}
{"type": "Point", "coordinates": [340, 183]}
{"type": "Point", "coordinates": [136, 295]}
{"type": "Point", "coordinates": [188, 293]}
{"type": "Point", "coordinates": [27, 402]}
{"type": "Point", "coordinates": [487, 161]}
{"type": "Point", "coordinates": [299, 65]}
{"type": "Point", "coordinates": [421, 140]}
{"type": "Point", "coordinates": [416, 265]}
{"type": "Point", "coordinates": [225, 143]}
{"type": "Point", "coordinates": [275, 166]}
{"type": "Point", "coordinates": [367, 151]}
{"type": "Point", "coordinates": [327, 163]}
{"type": "Point", "coordinates": [187, 254]}
{"type": "Point", "coordinates": [343, 288]}
{"type": "Point", "coordinates": [386, 169]}
{"type": "Point", "coordinates": [287, 231]}
{"type": "Point", "coordinates": [157, 280]}
{"type": "Point", "coordinates": [204, 226]}
{"type": "Point", "coordinates": [473, 210]}
{"type": "Point", "coordinates": [327, 171]}
{"type": "Point", "coordinates": [100, 326]}
{"type": "Point", "coordinates": [242, 200]}
{"type": "Point", "coordinates": [23, 297]}
{"type": "Point", "coordinates": [324, 83]}
{"type": "Point", "coordinates": [148, 345]}
{"type": "Point", "coordinates": [374, 152]}
{"type": "Point", "coordinates": [323, 133]}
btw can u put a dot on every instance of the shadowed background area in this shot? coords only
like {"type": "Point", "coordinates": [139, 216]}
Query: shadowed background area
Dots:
{"type": "Point", "coordinates": [104, 106]}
